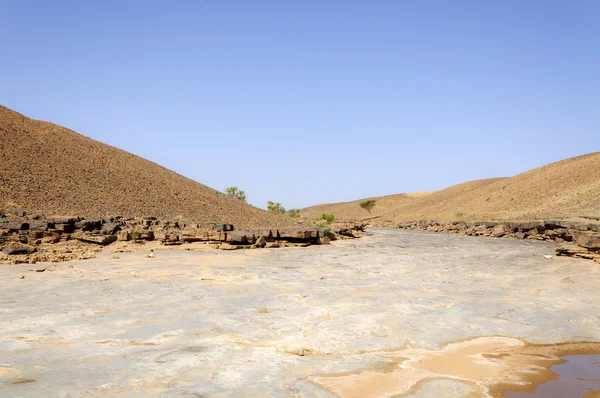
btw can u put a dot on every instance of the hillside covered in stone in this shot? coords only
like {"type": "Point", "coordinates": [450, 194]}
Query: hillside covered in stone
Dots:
{"type": "Point", "coordinates": [567, 189]}
{"type": "Point", "coordinates": [50, 170]}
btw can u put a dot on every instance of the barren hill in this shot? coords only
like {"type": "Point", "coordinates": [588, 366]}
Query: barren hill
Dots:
{"type": "Point", "coordinates": [48, 169]}
{"type": "Point", "coordinates": [566, 189]}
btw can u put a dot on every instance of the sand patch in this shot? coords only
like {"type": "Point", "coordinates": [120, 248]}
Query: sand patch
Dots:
{"type": "Point", "coordinates": [489, 365]}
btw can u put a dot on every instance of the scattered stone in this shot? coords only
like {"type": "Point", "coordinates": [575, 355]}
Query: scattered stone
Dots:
{"type": "Point", "coordinates": [21, 213]}
{"type": "Point", "coordinates": [15, 248]}
{"type": "Point", "coordinates": [22, 277]}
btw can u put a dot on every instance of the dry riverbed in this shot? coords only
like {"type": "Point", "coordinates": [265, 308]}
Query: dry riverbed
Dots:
{"type": "Point", "coordinates": [398, 313]}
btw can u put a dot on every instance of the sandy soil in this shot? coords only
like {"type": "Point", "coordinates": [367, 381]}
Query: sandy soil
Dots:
{"type": "Point", "coordinates": [566, 189]}
{"type": "Point", "coordinates": [48, 169]}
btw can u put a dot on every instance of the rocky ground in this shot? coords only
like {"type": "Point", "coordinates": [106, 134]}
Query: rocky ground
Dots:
{"type": "Point", "coordinates": [397, 313]}
{"type": "Point", "coordinates": [567, 189]}
{"type": "Point", "coordinates": [581, 238]}
{"type": "Point", "coordinates": [50, 170]}
{"type": "Point", "coordinates": [26, 239]}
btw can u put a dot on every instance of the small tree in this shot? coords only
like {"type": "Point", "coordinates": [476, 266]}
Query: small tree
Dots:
{"type": "Point", "coordinates": [294, 213]}
{"type": "Point", "coordinates": [276, 208]}
{"type": "Point", "coordinates": [368, 205]}
{"type": "Point", "coordinates": [328, 217]}
{"type": "Point", "coordinates": [236, 193]}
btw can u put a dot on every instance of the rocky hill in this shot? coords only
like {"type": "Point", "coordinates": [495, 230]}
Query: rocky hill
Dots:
{"type": "Point", "coordinates": [568, 189]}
{"type": "Point", "coordinates": [50, 170]}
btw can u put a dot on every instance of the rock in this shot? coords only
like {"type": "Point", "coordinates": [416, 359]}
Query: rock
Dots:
{"type": "Point", "coordinates": [589, 240]}
{"type": "Point", "coordinates": [499, 231]}
{"type": "Point", "coordinates": [324, 241]}
{"type": "Point", "coordinates": [295, 234]}
{"type": "Point", "coordinates": [97, 239]}
{"type": "Point", "coordinates": [38, 226]}
{"type": "Point", "coordinates": [261, 242]}
{"type": "Point", "coordinates": [518, 235]}
{"type": "Point", "coordinates": [51, 237]}
{"type": "Point", "coordinates": [21, 213]}
{"type": "Point", "coordinates": [64, 228]}
{"type": "Point", "coordinates": [123, 236]}
{"type": "Point", "coordinates": [240, 237]}
{"type": "Point", "coordinates": [110, 228]}
{"type": "Point", "coordinates": [145, 235]}
{"type": "Point", "coordinates": [88, 225]}
{"type": "Point", "coordinates": [576, 251]}
{"type": "Point", "coordinates": [231, 247]}
{"type": "Point", "coordinates": [2, 214]}
{"type": "Point", "coordinates": [224, 227]}
{"type": "Point", "coordinates": [63, 219]}
{"type": "Point", "coordinates": [18, 248]}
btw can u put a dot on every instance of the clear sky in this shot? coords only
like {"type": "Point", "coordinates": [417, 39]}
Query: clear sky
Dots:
{"type": "Point", "coordinates": [306, 102]}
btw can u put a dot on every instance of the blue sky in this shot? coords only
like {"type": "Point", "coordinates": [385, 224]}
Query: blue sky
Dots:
{"type": "Point", "coordinates": [306, 102]}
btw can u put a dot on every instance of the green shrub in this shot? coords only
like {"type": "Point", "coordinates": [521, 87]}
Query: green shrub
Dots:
{"type": "Point", "coordinates": [328, 217]}
{"type": "Point", "coordinates": [276, 208]}
{"type": "Point", "coordinates": [236, 193]}
{"type": "Point", "coordinates": [294, 213]}
{"type": "Point", "coordinates": [324, 225]}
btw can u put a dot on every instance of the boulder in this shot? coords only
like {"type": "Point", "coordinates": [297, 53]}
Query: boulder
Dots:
{"type": "Point", "coordinates": [18, 248]}
{"type": "Point", "coordinates": [240, 237]}
{"type": "Point", "coordinates": [260, 242]}
{"type": "Point", "coordinates": [15, 226]}
{"type": "Point", "coordinates": [110, 228]}
{"type": "Point", "coordinates": [64, 228]}
{"type": "Point", "coordinates": [324, 241]}
{"type": "Point", "coordinates": [96, 238]}
{"type": "Point", "coordinates": [293, 234]}
{"type": "Point", "coordinates": [589, 240]}
{"type": "Point", "coordinates": [123, 236]}
{"type": "Point", "coordinates": [38, 226]}
{"type": "Point", "coordinates": [499, 230]}
{"type": "Point", "coordinates": [88, 225]}
{"type": "Point", "coordinates": [519, 235]}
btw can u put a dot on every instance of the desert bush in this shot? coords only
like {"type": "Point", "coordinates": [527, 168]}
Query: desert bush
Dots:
{"type": "Point", "coordinates": [275, 207]}
{"type": "Point", "coordinates": [324, 225]}
{"type": "Point", "coordinates": [328, 217]}
{"type": "Point", "coordinates": [368, 205]}
{"type": "Point", "coordinates": [236, 193]}
{"type": "Point", "coordinates": [295, 213]}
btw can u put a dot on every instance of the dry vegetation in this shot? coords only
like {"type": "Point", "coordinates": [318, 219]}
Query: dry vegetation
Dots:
{"type": "Point", "coordinates": [51, 170]}
{"type": "Point", "coordinates": [566, 189]}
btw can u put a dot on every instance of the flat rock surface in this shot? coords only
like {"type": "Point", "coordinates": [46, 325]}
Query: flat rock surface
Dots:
{"type": "Point", "coordinates": [319, 321]}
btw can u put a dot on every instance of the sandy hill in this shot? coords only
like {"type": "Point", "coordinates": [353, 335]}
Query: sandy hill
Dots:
{"type": "Point", "coordinates": [566, 189]}
{"type": "Point", "coordinates": [51, 170]}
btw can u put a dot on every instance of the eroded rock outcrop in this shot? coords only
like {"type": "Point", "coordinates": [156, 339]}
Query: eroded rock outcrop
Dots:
{"type": "Point", "coordinates": [82, 238]}
{"type": "Point", "coordinates": [581, 239]}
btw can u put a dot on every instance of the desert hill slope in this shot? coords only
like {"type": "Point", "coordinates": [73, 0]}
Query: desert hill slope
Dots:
{"type": "Point", "coordinates": [48, 169]}
{"type": "Point", "coordinates": [569, 188]}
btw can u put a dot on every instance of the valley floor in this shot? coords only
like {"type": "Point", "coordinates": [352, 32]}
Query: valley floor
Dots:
{"type": "Point", "coordinates": [396, 313]}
